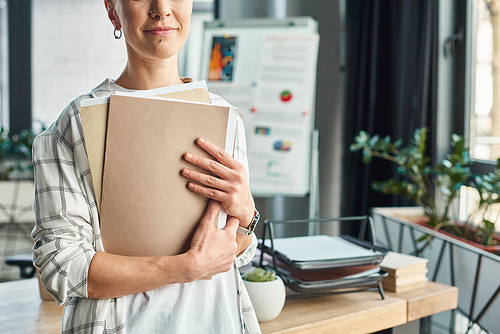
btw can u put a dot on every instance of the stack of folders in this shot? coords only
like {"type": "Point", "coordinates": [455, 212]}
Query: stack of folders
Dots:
{"type": "Point", "coordinates": [322, 263]}
{"type": "Point", "coordinates": [135, 145]}
{"type": "Point", "coordinates": [405, 272]}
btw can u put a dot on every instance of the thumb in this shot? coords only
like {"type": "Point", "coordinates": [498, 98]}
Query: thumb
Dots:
{"type": "Point", "coordinates": [232, 225]}
{"type": "Point", "coordinates": [213, 208]}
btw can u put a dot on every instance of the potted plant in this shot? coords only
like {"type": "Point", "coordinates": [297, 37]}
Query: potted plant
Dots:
{"type": "Point", "coordinates": [15, 155]}
{"type": "Point", "coordinates": [435, 188]}
{"type": "Point", "coordinates": [473, 269]}
{"type": "Point", "coordinates": [266, 291]}
{"type": "Point", "coordinates": [16, 197]}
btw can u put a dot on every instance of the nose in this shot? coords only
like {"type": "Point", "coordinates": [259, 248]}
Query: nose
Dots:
{"type": "Point", "coordinates": [160, 9]}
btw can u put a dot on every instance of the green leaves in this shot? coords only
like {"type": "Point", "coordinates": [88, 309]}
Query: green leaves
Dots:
{"type": "Point", "coordinates": [15, 154]}
{"type": "Point", "coordinates": [420, 180]}
{"type": "Point", "coordinates": [414, 164]}
{"type": "Point", "coordinates": [400, 188]}
{"type": "Point", "coordinates": [259, 275]}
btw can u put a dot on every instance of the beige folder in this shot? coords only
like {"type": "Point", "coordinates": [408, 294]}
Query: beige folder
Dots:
{"type": "Point", "coordinates": [146, 208]}
{"type": "Point", "coordinates": [94, 122]}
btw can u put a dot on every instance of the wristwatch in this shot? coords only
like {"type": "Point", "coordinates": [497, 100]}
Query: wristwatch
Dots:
{"type": "Point", "coordinates": [253, 224]}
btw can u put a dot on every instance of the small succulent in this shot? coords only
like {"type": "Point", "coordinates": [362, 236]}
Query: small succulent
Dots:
{"type": "Point", "coordinates": [259, 275]}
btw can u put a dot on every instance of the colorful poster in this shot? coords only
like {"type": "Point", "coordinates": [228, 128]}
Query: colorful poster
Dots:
{"type": "Point", "coordinates": [222, 58]}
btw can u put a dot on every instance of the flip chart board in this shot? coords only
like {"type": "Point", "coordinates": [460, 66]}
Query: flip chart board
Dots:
{"type": "Point", "coordinates": [267, 68]}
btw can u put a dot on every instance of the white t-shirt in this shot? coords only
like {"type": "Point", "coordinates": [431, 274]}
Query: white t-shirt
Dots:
{"type": "Point", "coordinates": [213, 304]}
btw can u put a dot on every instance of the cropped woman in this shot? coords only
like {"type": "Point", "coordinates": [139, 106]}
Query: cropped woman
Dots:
{"type": "Point", "coordinates": [107, 293]}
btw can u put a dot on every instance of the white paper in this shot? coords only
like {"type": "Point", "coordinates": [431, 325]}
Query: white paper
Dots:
{"type": "Point", "coordinates": [170, 89]}
{"type": "Point", "coordinates": [149, 92]}
{"type": "Point", "coordinates": [279, 128]}
{"type": "Point", "coordinates": [318, 248]}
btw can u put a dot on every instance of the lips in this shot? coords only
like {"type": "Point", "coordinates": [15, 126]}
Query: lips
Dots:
{"type": "Point", "coordinates": [160, 31]}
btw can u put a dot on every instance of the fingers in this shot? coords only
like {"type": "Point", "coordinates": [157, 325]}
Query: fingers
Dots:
{"type": "Point", "coordinates": [206, 180]}
{"type": "Point", "coordinates": [224, 164]}
{"type": "Point", "coordinates": [215, 151]}
{"type": "Point", "coordinates": [211, 193]}
{"type": "Point", "coordinates": [210, 165]}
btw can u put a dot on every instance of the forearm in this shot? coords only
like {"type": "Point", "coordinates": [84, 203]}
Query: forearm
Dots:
{"type": "Point", "coordinates": [113, 276]}
{"type": "Point", "coordinates": [211, 252]}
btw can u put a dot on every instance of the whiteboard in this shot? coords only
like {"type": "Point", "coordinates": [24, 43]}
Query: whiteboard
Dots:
{"type": "Point", "coordinates": [267, 68]}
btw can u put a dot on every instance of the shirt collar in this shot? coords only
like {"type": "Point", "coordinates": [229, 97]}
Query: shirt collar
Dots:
{"type": "Point", "coordinates": [109, 87]}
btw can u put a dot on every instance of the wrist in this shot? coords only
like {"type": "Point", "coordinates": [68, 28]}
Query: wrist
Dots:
{"type": "Point", "coordinates": [249, 226]}
{"type": "Point", "coordinates": [247, 221]}
{"type": "Point", "coordinates": [192, 270]}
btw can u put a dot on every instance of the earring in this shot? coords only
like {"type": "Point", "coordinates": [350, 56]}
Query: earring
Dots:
{"type": "Point", "coordinates": [118, 33]}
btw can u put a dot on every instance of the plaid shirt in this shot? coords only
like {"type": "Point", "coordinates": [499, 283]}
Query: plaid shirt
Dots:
{"type": "Point", "coordinates": [67, 233]}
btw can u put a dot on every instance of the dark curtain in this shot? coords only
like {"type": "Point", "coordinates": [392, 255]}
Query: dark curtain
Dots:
{"type": "Point", "coordinates": [390, 88]}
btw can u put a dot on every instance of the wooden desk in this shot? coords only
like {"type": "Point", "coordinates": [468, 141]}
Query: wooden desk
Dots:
{"type": "Point", "coordinates": [22, 310]}
{"type": "Point", "coordinates": [361, 312]}
{"type": "Point", "coordinates": [431, 299]}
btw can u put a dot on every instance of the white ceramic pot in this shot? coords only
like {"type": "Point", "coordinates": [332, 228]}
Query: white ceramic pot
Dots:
{"type": "Point", "coordinates": [268, 298]}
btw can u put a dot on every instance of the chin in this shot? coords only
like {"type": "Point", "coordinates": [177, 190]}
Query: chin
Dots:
{"type": "Point", "coordinates": [165, 54]}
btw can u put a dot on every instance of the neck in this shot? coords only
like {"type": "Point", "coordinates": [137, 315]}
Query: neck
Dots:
{"type": "Point", "coordinates": [142, 75]}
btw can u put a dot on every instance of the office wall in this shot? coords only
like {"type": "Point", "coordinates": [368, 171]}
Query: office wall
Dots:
{"type": "Point", "coordinates": [73, 51]}
{"type": "Point", "coordinates": [329, 97]}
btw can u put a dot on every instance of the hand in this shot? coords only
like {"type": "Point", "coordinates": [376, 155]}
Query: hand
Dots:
{"type": "Point", "coordinates": [213, 250]}
{"type": "Point", "coordinates": [229, 185]}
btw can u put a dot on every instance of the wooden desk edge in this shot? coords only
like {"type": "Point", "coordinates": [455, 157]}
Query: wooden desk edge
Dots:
{"type": "Point", "coordinates": [377, 316]}
{"type": "Point", "coordinates": [430, 299]}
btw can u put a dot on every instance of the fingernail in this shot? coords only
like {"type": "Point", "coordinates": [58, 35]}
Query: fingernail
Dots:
{"type": "Point", "coordinates": [202, 140]}
{"type": "Point", "coordinates": [189, 156]}
{"type": "Point", "coordinates": [186, 171]}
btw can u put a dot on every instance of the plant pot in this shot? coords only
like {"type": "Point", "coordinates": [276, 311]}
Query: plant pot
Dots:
{"type": "Point", "coordinates": [491, 249]}
{"type": "Point", "coordinates": [16, 222]}
{"type": "Point", "coordinates": [268, 298]}
{"type": "Point", "coordinates": [454, 262]}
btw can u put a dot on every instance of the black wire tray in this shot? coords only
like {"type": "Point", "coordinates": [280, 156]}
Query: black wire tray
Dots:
{"type": "Point", "coordinates": [270, 258]}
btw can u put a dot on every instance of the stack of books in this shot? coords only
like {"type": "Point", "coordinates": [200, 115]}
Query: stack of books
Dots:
{"type": "Point", "coordinates": [405, 272]}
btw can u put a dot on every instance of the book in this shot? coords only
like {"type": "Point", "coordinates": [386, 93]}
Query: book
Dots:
{"type": "Point", "coordinates": [397, 264]}
{"type": "Point", "coordinates": [146, 207]}
{"type": "Point", "coordinates": [94, 115]}
{"type": "Point", "coordinates": [417, 277]}
{"type": "Point", "coordinates": [393, 288]}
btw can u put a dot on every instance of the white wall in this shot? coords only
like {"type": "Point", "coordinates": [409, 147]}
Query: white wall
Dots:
{"type": "Point", "coordinates": [73, 51]}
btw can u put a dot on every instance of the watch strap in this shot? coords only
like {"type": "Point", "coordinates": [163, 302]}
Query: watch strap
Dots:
{"type": "Point", "coordinates": [253, 224]}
